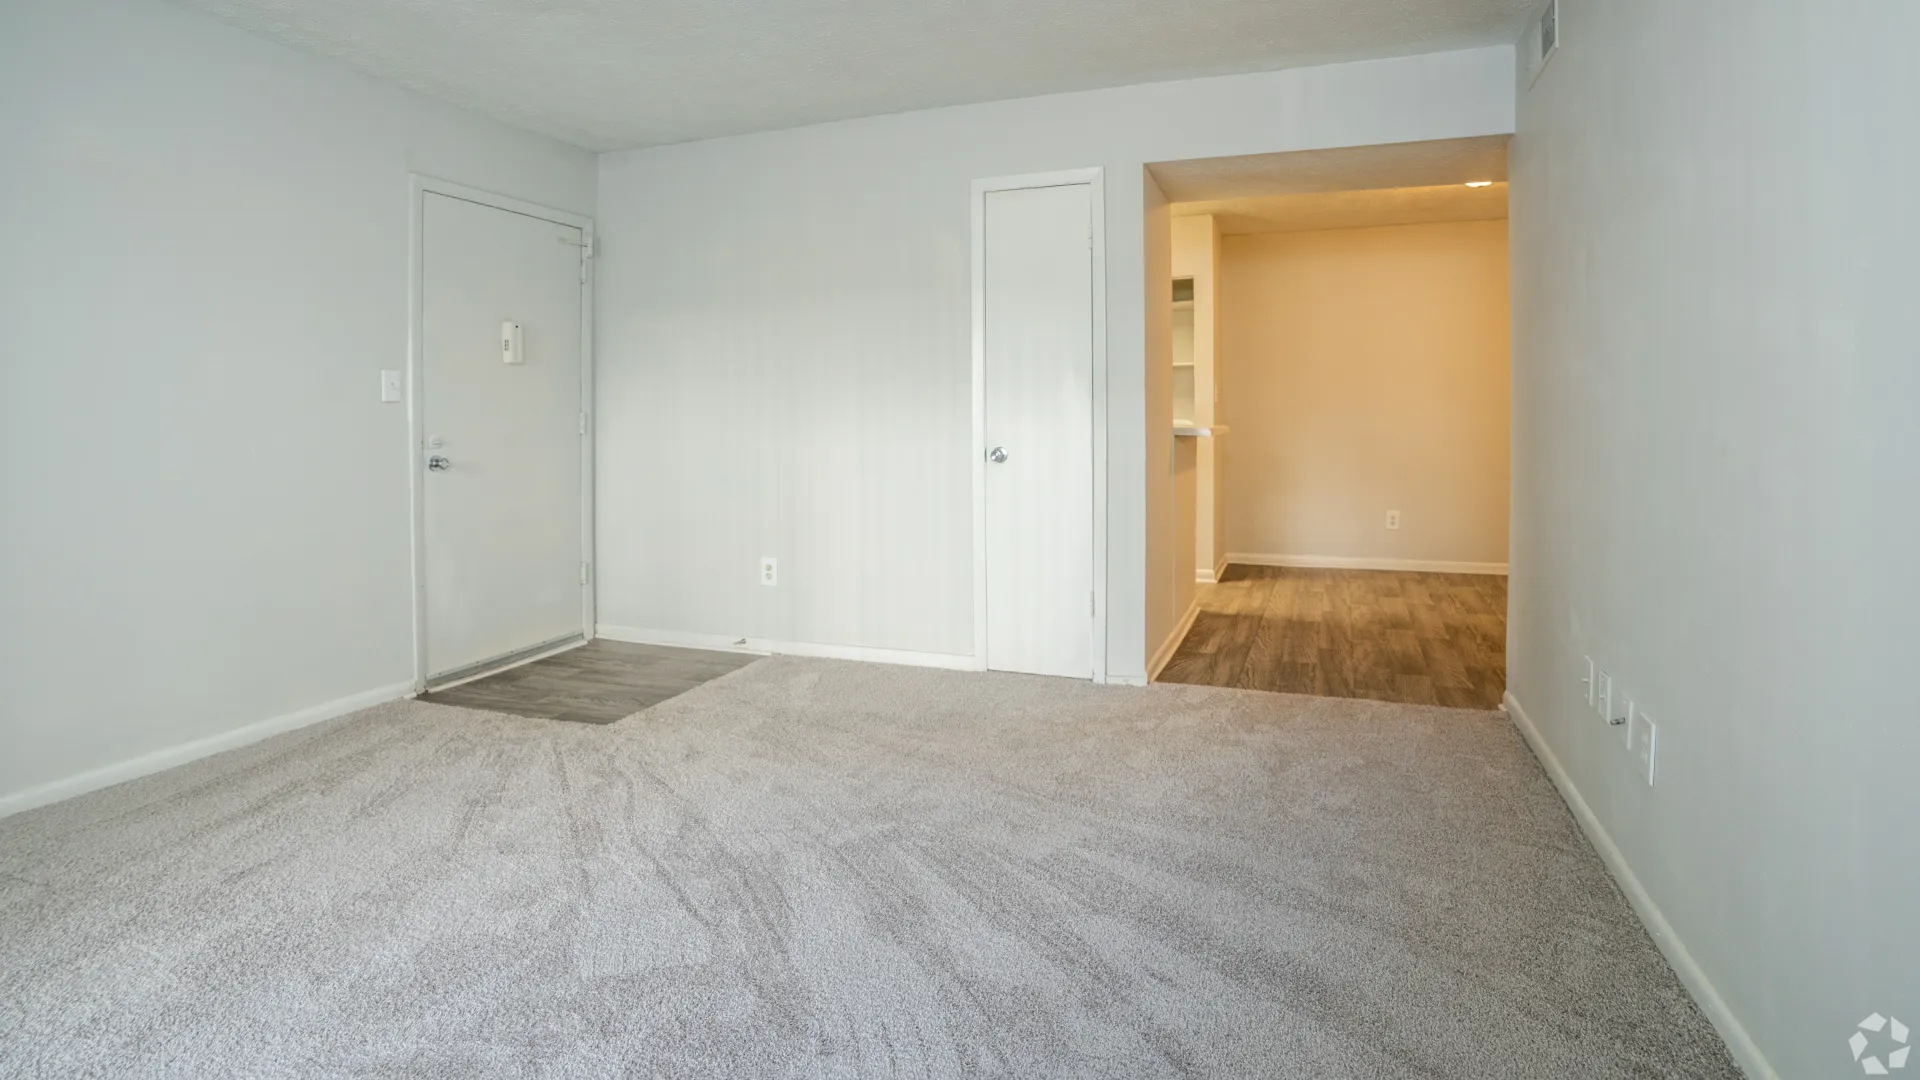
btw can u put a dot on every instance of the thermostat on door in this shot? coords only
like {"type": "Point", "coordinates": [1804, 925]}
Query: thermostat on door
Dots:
{"type": "Point", "coordinates": [510, 343]}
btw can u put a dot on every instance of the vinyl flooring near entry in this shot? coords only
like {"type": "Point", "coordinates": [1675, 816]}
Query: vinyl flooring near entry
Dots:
{"type": "Point", "coordinates": [1416, 638]}
{"type": "Point", "coordinates": [597, 683]}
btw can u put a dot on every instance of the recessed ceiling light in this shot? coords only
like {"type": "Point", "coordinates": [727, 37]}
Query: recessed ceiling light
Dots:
{"type": "Point", "coordinates": [1479, 183]}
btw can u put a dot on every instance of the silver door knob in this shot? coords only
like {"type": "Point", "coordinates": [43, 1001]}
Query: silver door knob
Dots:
{"type": "Point", "coordinates": [997, 455]}
{"type": "Point", "coordinates": [438, 463]}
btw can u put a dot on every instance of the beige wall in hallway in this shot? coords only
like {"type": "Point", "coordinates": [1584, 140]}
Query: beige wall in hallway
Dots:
{"type": "Point", "coordinates": [1362, 371]}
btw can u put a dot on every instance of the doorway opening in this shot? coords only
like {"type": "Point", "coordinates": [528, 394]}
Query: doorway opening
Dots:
{"type": "Point", "coordinates": [1339, 397]}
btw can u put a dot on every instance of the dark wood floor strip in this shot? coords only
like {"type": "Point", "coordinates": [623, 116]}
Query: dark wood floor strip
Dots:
{"type": "Point", "coordinates": [1427, 639]}
{"type": "Point", "coordinates": [597, 683]}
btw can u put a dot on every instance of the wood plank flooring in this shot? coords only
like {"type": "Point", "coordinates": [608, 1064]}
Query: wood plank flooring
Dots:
{"type": "Point", "coordinates": [1424, 639]}
{"type": "Point", "coordinates": [597, 683]}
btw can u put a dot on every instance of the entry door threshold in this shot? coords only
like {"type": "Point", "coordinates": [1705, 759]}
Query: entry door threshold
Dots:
{"type": "Point", "coordinates": [497, 664]}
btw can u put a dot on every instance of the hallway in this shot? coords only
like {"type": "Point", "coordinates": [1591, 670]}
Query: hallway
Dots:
{"type": "Point", "coordinates": [1417, 638]}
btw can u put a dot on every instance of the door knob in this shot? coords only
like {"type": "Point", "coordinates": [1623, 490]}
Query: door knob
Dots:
{"type": "Point", "coordinates": [997, 455]}
{"type": "Point", "coordinates": [438, 463]}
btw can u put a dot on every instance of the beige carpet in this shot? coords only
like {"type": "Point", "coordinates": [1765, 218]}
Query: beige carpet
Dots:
{"type": "Point", "coordinates": [820, 869]}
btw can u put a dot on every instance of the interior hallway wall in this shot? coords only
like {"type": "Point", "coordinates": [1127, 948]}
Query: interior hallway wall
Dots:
{"type": "Point", "coordinates": [1164, 503]}
{"type": "Point", "coordinates": [204, 272]}
{"type": "Point", "coordinates": [1715, 372]}
{"type": "Point", "coordinates": [1367, 371]}
{"type": "Point", "coordinates": [785, 344]}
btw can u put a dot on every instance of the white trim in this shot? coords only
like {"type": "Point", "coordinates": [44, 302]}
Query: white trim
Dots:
{"type": "Point", "coordinates": [1172, 644]}
{"type": "Point", "coordinates": [768, 647]}
{"type": "Point", "coordinates": [161, 760]}
{"type": "Point", "coordinates": [1349, 562]}
{"type": "Point", "coordinates": [418, 187]}
{"type": "Point", "coordinates": [1212, 577]}
{"type": "Point", "coordinates": [1095, 179]}
{"type": "Point", "coordinates": [1746, 1053]}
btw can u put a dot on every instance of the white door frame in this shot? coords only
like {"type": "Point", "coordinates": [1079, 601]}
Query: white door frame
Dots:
{"type": "Point", "coordinates": [1094, 178]}
{"type": "Point", "coordinates": [419, 187]}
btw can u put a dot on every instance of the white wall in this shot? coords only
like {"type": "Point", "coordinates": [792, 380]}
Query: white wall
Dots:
{"type": "Point", "coordinates": [1369, 373]}
{"type": "Point", "coordinates": [1715, 376]}
{"type": "Point", "coordinates": [784, 356]}
{"type": "Point", "coordinates": [1164, 604]}
{"type": "Point", "coordinates": [204, 269]}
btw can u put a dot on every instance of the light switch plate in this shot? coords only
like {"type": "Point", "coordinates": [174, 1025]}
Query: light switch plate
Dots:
{"type": "Point", "coordinates": [390, 386]}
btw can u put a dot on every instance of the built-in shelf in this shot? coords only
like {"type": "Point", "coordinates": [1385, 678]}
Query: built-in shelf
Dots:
{"type": "Point", "coordinates": [1194, 431]}
{"type": "Point", "coordinates": [1187, 364]}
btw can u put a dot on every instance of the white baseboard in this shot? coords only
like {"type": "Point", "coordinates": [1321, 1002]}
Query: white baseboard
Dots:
{"type": "Point", "coordinates": [1745, 1052]}
{"type": "Point", "coordinates": [1212, 577]}
{"type": "Point", "coordinates": [1172, 644]}
{"type": "Point", "coordinates": [159, 760]}
{"type": "Point", "coordinates": [1347, 562]}
{"type": "Point", "coordinates": [768, 647]}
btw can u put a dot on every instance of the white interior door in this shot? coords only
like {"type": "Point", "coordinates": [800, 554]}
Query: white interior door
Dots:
{"type": "Point", "coordinates": [1038, 360]}
{"type": "Point", "coordinates": [503, 512]}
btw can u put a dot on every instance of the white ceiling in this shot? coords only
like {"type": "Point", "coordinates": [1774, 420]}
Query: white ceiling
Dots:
{"type": "Point", "coordinates": [612, 74]}
{"type": "Point", "coordinates": [1352, 209]}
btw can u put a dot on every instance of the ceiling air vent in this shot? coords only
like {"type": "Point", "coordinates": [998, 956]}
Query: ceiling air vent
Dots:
{"type": "Point", "coordinates": [1545, 39]}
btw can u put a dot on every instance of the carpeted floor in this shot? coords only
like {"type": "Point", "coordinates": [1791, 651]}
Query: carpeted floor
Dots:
{"type": "Point", "coordinates": [820, 869]}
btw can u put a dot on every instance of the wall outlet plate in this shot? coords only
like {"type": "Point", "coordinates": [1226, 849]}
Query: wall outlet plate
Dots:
{"type": "Point", "coordinates": [769, 570]}
{"type": "Point", "coordinates": [1591, 681]}
{"type": "Point", "coordinates": [1603, 694]}
{"type": "Point", "coordinates": [1646, 742]}
{"type": "Point", "coordinates": [1393, 519]}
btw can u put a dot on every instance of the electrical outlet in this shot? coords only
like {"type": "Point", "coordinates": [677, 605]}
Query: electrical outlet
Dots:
{"type": "Point", "coordinates": [1603, 695]}
{"type": "Point", "coordinates": [1591, 683]}
{"type": "Point", "coordinates": [769, 570]}
{"type": "Point", "coordinates": [1646, 740]}
{"type": "Point", "coordinates": [1393, 519]}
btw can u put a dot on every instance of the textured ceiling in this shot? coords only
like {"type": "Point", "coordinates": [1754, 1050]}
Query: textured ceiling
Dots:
{"type": "Point", "coordinates": [1391, 165]}
{"type": "Point", "coordinates": [1351, 209]}
{"type": "Point", "coordinates": [611, 74]}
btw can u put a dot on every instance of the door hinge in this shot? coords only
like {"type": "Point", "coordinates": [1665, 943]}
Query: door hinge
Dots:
{"type": "Point", "coordinates": [583, 573]}
{"type": "Point", "coordinates": [583, 423]}
{"type": "Point", "coordinates": [585, 244]}
{"type": "Point", "coordinates": [1091, 597]}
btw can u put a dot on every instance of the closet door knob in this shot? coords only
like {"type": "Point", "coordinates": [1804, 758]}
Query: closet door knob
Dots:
{"type": "Point", "coordinates": [997, 455]}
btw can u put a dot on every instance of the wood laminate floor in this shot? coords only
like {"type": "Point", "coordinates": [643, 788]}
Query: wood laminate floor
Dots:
{"type": "Point", "coordinates": [597, 683]}
{"type": "Point", "coordinates": [1424, 639]}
